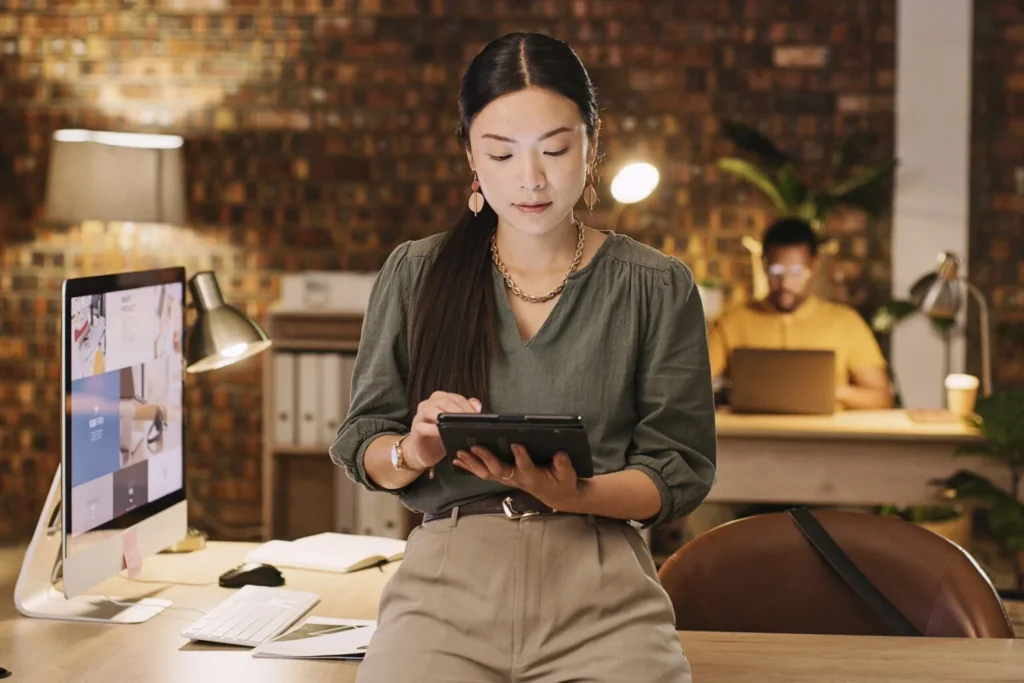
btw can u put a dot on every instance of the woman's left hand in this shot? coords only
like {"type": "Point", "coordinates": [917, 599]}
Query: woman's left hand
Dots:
{"type": "Point", "coordinates": [555, 486]}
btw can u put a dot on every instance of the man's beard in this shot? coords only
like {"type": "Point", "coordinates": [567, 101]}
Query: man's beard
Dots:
{"type": "Point", "coordinates": [794, 301]}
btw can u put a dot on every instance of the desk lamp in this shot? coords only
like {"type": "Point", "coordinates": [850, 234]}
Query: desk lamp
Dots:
{"type": "Point", "coordinates": [222, 334]}
{"type": "Point", "coordinates": [633, 183]}
{"type": "Point", "coordinates": [940, 294]}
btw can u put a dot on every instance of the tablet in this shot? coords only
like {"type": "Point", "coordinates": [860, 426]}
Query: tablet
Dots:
{"type": "Point", "coordinates": [541, 435]}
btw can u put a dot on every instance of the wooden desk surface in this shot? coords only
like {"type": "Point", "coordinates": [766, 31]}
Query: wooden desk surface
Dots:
{"type": "Point", "coordinates": [42, 651]}
{"type": "Point", "coordinates": [854, 424]}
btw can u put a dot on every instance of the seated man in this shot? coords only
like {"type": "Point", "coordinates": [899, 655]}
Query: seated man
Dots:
{"type": "Point", "coordinates": [792, 317]}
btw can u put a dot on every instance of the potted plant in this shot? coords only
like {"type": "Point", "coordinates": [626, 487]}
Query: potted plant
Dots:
{"type": "Point", "coordinates": [887, 316]}
{"type": "Point", "coordinates": [952, 522]}
{"type": "Point", "coordinates": [1000, 420]}
{"type": "Point", "coordinates": [851, 183]}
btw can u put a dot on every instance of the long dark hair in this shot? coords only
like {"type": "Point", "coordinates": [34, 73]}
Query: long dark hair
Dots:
{"type": "Point", "coordinates": [453, 335]}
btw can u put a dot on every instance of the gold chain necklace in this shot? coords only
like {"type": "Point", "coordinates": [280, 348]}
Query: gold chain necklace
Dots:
{"type": "Point", "coordinates": [510, 283]}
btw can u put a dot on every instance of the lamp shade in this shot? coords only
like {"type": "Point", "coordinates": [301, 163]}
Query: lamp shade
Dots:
{"type": "Point", "coordinates": [940, 294]}
{"type": "Point", "coordinates": [106, 176]}
{"type": "Point", "coordinates": [222, 334]}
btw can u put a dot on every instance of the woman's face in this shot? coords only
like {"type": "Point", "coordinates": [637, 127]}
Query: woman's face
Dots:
{"type": "Point", "coordinates": [530, 151]}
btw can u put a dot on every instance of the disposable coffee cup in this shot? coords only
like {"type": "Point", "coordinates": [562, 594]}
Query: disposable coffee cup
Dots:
{"type": "Point", "coordinates": [961, 394]}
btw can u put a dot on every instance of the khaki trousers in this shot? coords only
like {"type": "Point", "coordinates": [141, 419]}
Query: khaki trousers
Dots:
{"type": "Point", "coordinates": [543, 599]}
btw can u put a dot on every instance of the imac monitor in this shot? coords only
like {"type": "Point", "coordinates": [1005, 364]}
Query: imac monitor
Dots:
{"type": "Point", "coordinates": [120, 487]}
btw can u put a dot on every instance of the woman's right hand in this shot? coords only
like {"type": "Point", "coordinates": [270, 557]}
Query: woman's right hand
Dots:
{"type": "Point", "coordinates": [423, 447]}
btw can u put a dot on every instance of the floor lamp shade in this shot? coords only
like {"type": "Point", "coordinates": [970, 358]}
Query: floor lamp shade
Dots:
{"type": "Point", "coordinates": [125, 177]}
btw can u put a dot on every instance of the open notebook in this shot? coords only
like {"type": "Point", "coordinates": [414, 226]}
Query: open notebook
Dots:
{"type": "Point", "coordinates": [330, 552]}
{"type": "Point", "coordinates": [321, 638]}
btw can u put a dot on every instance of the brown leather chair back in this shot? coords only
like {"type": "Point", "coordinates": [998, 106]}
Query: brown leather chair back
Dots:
{"type": "Point", "coordinates": [760, 574]}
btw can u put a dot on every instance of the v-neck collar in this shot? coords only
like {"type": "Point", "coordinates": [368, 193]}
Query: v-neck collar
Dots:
{"type": "Point", "coordinates": [569, 292]}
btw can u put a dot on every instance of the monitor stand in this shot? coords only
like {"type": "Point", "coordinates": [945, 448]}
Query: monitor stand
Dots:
{"type": "Point", "coordinates": [35, 594]}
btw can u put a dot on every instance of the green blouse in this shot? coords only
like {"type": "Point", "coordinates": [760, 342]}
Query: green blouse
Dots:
{"type": "Point", "coordinates": [625, 347]}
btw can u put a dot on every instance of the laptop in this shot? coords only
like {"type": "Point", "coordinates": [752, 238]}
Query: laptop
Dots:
{"type": "Point", "coordinates": [794, 381]}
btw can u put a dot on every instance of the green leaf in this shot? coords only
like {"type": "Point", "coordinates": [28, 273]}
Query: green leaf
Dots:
{"type": "Point", "coordinates": [823, 205]}
{"type": "Point", "coordinates": [750, 140]}
{"type": "Point", "coordinates": [1001, 422]}
{"type": "Point", "coordinates": [966, 485]}
{"type": "Point", "coordinates": [869, 178]}
{"type": "Point", "coordinates": [1007, 520]}
{"type": "Point", "coordinates": [874, 201]}
{"type": "Point", "coordinates": [755, 176]}
{"type": "Point", "coordinates": [808, 210]}
{"type": "Point", "coordinates": [890, 313]}
{"type": "Point", "coordinates": [792, 190]}
{"type": "Point", "coordinates": [851, 152]}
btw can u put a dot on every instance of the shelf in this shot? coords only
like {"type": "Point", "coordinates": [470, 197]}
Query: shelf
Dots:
{"type": "Point", "coordinates": [315, 330]}
{"type": "Point", "coordinates": [295, 474]}
{"type": "Point", "coordinates": [315, 345]}
{"type": "Point", "coordinates": [319, 451]}
{"type": "Point", "coordinates": [324, 314]}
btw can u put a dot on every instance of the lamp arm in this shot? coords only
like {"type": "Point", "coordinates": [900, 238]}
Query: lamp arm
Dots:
{"type": "Point", "coordinates": [986, 350]}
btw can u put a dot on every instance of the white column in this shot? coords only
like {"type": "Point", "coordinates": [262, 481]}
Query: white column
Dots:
{"type": "Point", "coordinates": [932, 193]}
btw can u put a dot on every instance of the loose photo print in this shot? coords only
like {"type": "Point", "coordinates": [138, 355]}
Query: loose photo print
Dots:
{"type": "Point", "coordinates": [88, 336]}
{"type": "Point", "coordinates": [149, 410]}
{"type": "Point", "coordinates": [144, 324]}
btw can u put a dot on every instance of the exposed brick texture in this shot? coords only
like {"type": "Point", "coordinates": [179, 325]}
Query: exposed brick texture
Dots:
{"type": "Point", "coordinates": [996, 261]}
{"type": "Point", "coordinates": [320, 135]}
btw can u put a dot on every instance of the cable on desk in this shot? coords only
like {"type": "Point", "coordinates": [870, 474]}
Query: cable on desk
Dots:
{"type": "Point", "coordinates": [167, 583]}
{"type": "Point", "coordinates": [122, 603]}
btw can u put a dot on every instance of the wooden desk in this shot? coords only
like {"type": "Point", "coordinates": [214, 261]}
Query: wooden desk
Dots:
{"type": "Point", "coordinates": [49, 652]}
{"type": "Point", "coordinates": [850, 458]}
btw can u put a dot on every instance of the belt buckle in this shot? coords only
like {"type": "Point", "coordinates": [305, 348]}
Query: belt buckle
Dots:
{"type": "Point", "coordinates": [511, 513]}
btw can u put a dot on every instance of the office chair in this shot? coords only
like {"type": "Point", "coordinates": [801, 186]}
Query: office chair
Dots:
{"type": "Point", "coordinates": [762, 574]}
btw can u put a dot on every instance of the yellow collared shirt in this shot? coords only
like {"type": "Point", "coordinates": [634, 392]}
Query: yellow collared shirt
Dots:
{"type": "Point", "coordinates": [817, 324]}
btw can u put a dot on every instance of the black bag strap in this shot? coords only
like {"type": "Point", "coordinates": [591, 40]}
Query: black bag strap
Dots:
{"type": "Point", "coordinates": [848, 572]}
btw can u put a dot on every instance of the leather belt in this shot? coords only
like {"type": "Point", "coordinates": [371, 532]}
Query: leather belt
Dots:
{"type": "Point", "coordinates": [514, 505]}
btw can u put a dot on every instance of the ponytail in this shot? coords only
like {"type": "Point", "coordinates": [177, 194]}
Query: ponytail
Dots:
{"type": "Point", "coordinates": [453, 333]}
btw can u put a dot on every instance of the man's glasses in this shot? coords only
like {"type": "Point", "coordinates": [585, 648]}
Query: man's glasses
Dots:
{"type": "Point", "coordinates": [779, 271]}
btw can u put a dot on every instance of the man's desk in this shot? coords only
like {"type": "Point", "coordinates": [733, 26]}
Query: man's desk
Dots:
{"type": "Point", "coordinates": [38, 651]}
{"type": "Point", "coordinates": [850, 458]}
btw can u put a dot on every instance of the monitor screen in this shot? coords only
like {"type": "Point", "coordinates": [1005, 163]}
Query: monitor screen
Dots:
{"type": "Point", "coordinates": [124, 451]}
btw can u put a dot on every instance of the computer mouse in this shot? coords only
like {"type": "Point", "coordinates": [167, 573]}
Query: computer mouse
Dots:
{"type": "Point", "coordinates": [252, 574]}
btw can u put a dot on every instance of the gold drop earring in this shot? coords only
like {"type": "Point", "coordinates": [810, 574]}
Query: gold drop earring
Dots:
{"type": "Point", "coordinates": [590, 195]}
{"type": "Point", "coordinates": [476, 200]}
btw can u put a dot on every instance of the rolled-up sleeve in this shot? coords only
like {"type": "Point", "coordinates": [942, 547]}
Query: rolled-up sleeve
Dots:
{"type": "Point", "coordinates": [675, 440]}
{"type": "Point", "coordinates": [379, 403]}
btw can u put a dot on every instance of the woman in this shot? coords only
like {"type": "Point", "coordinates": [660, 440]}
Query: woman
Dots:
{"type": "Point", "coordinates": [520, 308]}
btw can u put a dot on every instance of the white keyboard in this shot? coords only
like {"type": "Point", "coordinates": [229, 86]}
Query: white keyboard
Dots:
{"type": "Point", "coordinates": [252, 615]}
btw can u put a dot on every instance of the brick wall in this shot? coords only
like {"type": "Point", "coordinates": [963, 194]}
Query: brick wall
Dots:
{"type": "Point", "coordinates": [996, 262]}
{"type": "Point", "coordinates": [319, 135]}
